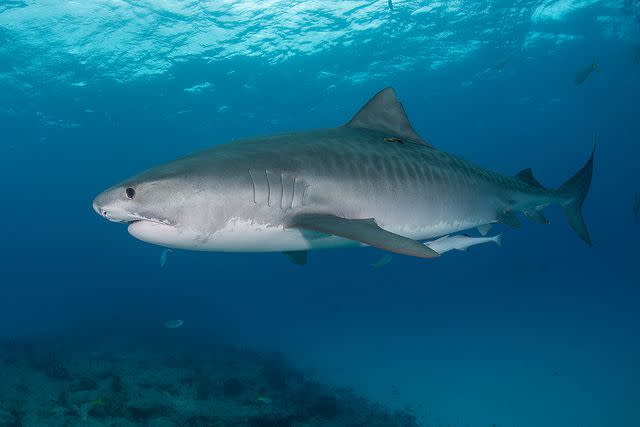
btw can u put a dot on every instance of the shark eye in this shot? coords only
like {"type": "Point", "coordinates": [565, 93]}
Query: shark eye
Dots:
{"type": "Point", "coordinates": [130, 192]}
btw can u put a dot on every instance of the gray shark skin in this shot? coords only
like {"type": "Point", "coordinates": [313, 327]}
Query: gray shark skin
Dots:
{"type": "Point", "coordinates": [373, 181]}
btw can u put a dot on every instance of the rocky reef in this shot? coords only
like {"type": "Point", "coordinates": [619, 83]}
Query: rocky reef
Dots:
{"type": "Point", "coordinates": [59, 383]}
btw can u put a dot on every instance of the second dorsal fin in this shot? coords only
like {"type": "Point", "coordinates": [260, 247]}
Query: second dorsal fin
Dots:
{"type": "Point", "coordinates": [385, 113]}
{"type": "Point", "coordinates": [526, 175]}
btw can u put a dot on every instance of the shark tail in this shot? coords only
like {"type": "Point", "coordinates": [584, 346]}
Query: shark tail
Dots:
{"type": "Point", "coordinates": [572, 194]}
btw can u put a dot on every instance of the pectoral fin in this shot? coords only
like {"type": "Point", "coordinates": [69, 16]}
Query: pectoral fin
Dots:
{"type": "Point", "coordinates": [362, 230]}
{"type": "Point", "coordinates": [297, 257]}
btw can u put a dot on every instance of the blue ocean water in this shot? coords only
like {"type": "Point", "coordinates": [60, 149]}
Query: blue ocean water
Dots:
{"type": "Point", "coordinates": [542, 331]}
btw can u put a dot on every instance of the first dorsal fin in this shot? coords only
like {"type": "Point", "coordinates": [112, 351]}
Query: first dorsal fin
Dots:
{"type": "Point", "coordinates": [526, 175]}
{"type": "Point", "coordinates": [385, 113]}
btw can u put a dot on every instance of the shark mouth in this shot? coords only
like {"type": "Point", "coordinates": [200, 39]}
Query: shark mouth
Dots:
{"type": "Point", "coordinates": [132, 218]}
{"type": "Point", "coordinates": [138, 218]}
{"type": "Point", "coordinates": [124, 217]}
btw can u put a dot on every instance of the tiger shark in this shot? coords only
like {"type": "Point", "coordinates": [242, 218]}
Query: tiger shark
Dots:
{"type": "Point", "coordinates": [371, 182]}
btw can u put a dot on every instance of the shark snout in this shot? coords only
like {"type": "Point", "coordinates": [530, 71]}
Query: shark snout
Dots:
{"type": "Point", "coordinates": [99, 210]}
{"type": "Point", "coordinates": [108, 207]}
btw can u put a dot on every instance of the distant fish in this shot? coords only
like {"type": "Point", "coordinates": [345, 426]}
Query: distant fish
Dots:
{"type": "Point", "coordinates": [198, 88]}
{"type": "Point", "coordinates": [386, 259]}
{"type": "Point", "coordinates": [163, 257]}
{"type": "Point", "coordinates": [584, 74]}
{"type": "Point", "coordinates": [79, 84]}
{"type": "Point", "coordinates": [390, 2]}
{"type": "Point", "coordinates": [636, 207]}
{"type": "Point", "coordinates": [173, 324]}
{"type": "Point", "coordinates": [264, 399]}
{"type": "Point", "coordinates": [501, 64]}
{"type": "Point", "coordinates": [461, 242]}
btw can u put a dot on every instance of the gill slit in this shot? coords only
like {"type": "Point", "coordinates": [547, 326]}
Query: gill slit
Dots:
{"type": "Point", "coordinates": [266, 175]}
{"type": "Point", "coordinates": [281, 190]}
{"type": "Point", "coordinates": [304, 194]}
{"type": "Point", "coordinates": [253, 183]}
{"type": "Point", "coordinates": [293, 192]}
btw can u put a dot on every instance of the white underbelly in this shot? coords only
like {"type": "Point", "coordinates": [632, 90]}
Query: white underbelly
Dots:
{"type": "Point", "coordinates": [238, 237]}
{"type": "Point", "coordinates": [247, 236]}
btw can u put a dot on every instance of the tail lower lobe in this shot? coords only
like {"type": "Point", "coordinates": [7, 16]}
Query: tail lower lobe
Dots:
{"type": "Point", "coordinates": [572, 193]}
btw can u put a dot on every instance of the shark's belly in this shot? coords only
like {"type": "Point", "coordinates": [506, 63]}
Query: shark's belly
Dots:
{"type": "Point", "coordinates": [237, 236]}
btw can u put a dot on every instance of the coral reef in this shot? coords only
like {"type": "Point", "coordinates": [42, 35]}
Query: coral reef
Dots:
{"type": "Point", "coordinates": [57, 383]}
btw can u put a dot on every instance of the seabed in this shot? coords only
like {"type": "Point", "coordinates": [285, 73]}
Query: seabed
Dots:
{"type": "Point", "coordinates": [60, 383]}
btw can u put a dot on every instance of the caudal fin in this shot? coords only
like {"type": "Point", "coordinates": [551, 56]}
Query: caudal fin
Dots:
{"type": "Point", "coordinates": [573, 192]}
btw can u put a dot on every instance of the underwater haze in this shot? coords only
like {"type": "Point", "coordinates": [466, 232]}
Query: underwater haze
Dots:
{"type": "Point", "coordinates": [98, 328]}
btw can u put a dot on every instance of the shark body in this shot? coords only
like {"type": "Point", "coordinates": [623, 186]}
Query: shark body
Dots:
{"type": "Point", "coordinates": [373, 181]}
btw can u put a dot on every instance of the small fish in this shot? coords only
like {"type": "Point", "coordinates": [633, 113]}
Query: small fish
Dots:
{"type": "Point", "coordinates": [636, 207]}
{"type": "Point", "coordinates": [198, 88]}
{"type": "Point", "coordinates": [173, 324]}
{"type": "Point", "coordinates": [461, 242]}
{"type": "Point", "coordinates": [264, 399]}
{"type": "Point", "coordinates": [79, 84]}
{"type": "Point", "coordinates": [501, 64]}
{"type": "Point", "coordinates": [583, 74]}
{"type": "Point", "coordinates": [386, 259]}
{"type": "Point", "coordinates": [163, 257]}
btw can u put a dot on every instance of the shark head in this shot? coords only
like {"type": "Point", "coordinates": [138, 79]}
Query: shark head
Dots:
{"type": "Point", "coordinates": [150, 206]}
{"type": "Point", "coordinates": [180, 204]}
{"type": "Point", "coordinates": [132, 201]}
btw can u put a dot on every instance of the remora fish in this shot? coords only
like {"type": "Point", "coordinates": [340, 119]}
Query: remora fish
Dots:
{"type": "Point", "coordinates": [461, 242]}
{"type": "Point", "coordinates": [372, 181]}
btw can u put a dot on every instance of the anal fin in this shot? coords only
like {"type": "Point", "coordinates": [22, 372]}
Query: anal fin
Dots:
{"type": "Point", "coordinates": [362, 230]}
{"type": "Point", "coordinates": [536, 215]}
{"type": "Point", "coordinates": [484, 229]}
